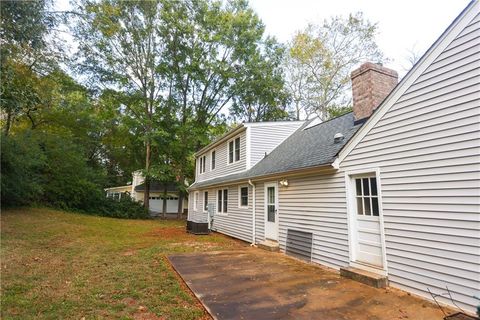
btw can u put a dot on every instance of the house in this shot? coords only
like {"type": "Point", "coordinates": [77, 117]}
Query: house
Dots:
{"type": "Point", "coordinates": [157, 190]}
{"type": "Point", "coordinates": [391, 188]}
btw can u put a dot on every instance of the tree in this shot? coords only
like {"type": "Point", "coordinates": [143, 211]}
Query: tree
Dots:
{"type": "Point", "coordinates": [25, 57]}
{"type": "Point", "coordinates": [260, 93]}
{"type": "Point", "coordinates": [319, 61]}
{"type": "Point", "coordinates": [175, 65]}
{"type": "Point", "coordinates": [121, 48]}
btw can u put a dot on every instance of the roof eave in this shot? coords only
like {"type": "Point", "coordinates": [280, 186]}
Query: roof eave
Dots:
{"type": "Point", "coordinates": [327, 166]}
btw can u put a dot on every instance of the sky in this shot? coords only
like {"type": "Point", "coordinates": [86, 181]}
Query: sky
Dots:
{"type": "Point", "coordinates": [404, 25]}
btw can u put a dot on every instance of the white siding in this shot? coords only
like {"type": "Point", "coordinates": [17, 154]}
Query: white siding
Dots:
{"type": "Point", "coordinates": [222, 167]}
{"type": "Point", "coordinates": [264, 137]}
{"type": "Point", "coordinates": [316, 204]}
{"type": "Point", "coordinates": [197, 215]}
{"type": "Point", "coordinates": [259, 212]}
{"type": "Point", "coordinates": [237, 222]}
{"type": "Point", "coordinates": [427, 149]}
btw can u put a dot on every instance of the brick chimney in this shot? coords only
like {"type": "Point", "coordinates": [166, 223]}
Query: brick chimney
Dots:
{"type": "Point", "coordinates": [371, 83]}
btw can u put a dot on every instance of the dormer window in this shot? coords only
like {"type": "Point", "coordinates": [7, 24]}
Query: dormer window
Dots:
{"type": "Point", "coordinates": [203, 164]}
{"type": "Point", "coordinates": [234, 150]}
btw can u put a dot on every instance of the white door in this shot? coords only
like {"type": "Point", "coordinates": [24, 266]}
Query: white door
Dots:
{"type": "Point", "coordinates": [271, 211]}
{"type": "Point", "coordinates": [368, 246]}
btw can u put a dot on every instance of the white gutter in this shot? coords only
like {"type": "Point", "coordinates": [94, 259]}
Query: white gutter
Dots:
{"type": "Point", "coordinates": [253, 212]}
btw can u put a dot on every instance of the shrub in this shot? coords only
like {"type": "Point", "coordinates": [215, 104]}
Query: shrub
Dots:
{"type": "Point", "coordinates": [125, 208]}
{"type": "Point", "coordinates": [50, 170]}
{"type": "Point", "coordinates": [22, 161]}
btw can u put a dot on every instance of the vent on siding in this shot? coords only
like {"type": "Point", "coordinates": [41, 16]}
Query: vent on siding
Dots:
{"type": "Point", "coordinates": [299, 244]}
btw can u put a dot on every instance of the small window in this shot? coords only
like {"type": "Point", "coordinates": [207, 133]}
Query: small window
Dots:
{"type": "Point", "coordinates": [213, 159]}
{"type": "Point", "coordinates": [195, 200]}
{"type": "Point", "coordinates": [222, 201]}
{"type": "Point", "coordinates": [230, 152]}
{"type": "Point", "coordinates": [205, 201]}
{"type": "Point", "coordinates": [234, 150]}
{"type": "Point", "coordinates": [219, 200]}
{"type": "Point", "coordinates": [237, 149]}
{"type": "Point", "coordinates": [366, 195]}
{"type": "Point", "coordinates": [203, 163]}
{"type": "Point", "coordinates": [225, 200]}
{"type": "Point", "coordinates": [243, 197]}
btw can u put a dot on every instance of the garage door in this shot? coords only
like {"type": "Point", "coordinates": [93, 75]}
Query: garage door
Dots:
{"type": "Point", "coordinates": [156, 204]}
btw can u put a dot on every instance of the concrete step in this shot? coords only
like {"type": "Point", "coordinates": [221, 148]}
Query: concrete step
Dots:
{"type": "Point", "coordinates": [269, 245]}
{"type": "Point", "coordinates": [365, 277]}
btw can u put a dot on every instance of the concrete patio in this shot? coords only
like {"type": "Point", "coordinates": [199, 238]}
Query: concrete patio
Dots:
{"type": "Point", "coordinates": [255, 284]}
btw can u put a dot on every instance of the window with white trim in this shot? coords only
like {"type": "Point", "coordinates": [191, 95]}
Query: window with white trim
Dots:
{"type": "Point", "coordinates": [234, 150]}
{"type": "Point", "coordinates": [195, 200]}
{"type": "Point", "coordinates": [205, 201]}
{"type": "Point", "coordinates": [366, 195]}
{"type": "Point", "coordinates": [243, 196]}
{"type": "Point", "coordinates": [203, 164]}
{"type": "Point", "coordinates": [222, 201]}
{"type": "Point", "coordinates": [213, 160]}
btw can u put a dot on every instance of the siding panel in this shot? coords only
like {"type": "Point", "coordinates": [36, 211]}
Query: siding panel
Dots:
{"type": "Point", "coordinates": [427, 150]}
{"type": "Point", "coordinates": [221, 157]}
{"type": "Point", "coordinates": [266, 137]}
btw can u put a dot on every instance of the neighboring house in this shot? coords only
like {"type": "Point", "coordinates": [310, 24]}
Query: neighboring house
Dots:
{"type": "Point", "coordinates": [118, 193]}
{"type": "Point", "coordinates": [395, 192]}
{"type": "Point", "coordinates": [157, 190]}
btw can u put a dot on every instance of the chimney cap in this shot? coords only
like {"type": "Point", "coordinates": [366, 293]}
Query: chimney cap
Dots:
{"type": "Point", "coordinates": [378, 67]}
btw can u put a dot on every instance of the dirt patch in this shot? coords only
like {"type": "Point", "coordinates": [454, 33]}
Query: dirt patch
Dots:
{"type": "Point", "coordinates": [129, 252]}
{"type": "Point", "coordinates": [143, 314]}
{"type": "Point", "coordinates": [168, 233]}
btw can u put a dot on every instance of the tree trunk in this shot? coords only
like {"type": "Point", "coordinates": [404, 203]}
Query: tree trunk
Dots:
{"type": "Point", "coordinates": [180, 199]}
{"type": "Point", "coordinates": [8, 123]}
{"type": "Point", "coordinates": [146, 194]}
{"type": "Point", "coordinates": [164, 207]}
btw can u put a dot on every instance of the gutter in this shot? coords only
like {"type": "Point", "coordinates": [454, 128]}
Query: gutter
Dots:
{"type": "Point", "coordinates": [253, 213]}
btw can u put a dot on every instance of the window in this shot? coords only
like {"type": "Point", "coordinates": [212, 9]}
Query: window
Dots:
{"type": "Point", "coordinates": [213, 159]}
{"type": "Point", "coordinates": [203, 161]}
{"type": "Point", "coordinates": [219, 200]}
{"type": "Point", "coordinates": [366, 196]}
{"type": "Point", "coordinates": [205, 201]}
{"type": "Point", "coordinates": [234, 150]}
{"type": "Point", "coordinates": [243, 197]}
{"type": "Point", "coordinates": [225, 200]}
{"type": "Point", "coordinates": [195, 200]}
{"type": "Point", "coordinates": [230, 152]}
{"type": "Point", "coordinates": [222, 201]}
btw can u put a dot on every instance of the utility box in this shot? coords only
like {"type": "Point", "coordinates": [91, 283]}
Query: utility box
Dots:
{"type": "Point", "coordinates": [197, 227]}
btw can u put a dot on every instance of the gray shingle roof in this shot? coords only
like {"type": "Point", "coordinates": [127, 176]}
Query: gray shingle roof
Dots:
{"type": "Point", "coordinates": [156, 186]}
{"type": "Point", "coordinates": [305, 148]}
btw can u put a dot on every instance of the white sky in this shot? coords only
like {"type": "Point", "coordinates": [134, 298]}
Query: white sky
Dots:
{"type": "Point", "coordinates": [403, 25]}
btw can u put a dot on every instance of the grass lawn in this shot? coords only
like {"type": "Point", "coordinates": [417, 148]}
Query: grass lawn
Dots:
{"type": "Point", "coordinates": [61, 265]}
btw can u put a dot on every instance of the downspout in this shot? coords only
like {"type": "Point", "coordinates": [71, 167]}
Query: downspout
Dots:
{"type": "Point", "coordinates": [253, 212]}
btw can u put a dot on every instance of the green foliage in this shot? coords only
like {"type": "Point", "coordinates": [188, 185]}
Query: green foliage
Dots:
{"type": "Point", "coordinates": [336, 111]}
{"type": "Point", "coordinates": [21, 163]}
{"type": "Point", "coordinates": [260, 93]}
{"type": "Point", "coordinates": [320, 59]}
{"type": "Point", "coordinates": [50, 170]}
{"type": "Point", "coordinates": [124, 208]}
